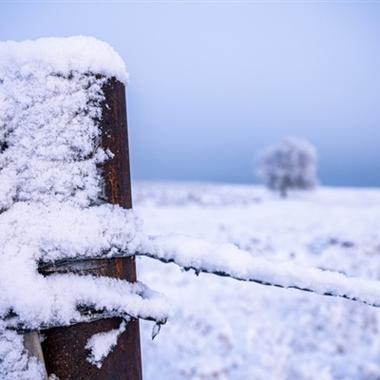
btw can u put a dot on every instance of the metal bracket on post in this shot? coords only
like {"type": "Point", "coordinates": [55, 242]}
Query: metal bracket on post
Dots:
{"type": "Point", "coordinates": [64, 347]}
{"type": "Point", "coordinates": [32, 344]}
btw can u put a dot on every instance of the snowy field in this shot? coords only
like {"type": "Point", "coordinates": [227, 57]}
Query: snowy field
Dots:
{"type": "Point", "coordinates": [225, 329]}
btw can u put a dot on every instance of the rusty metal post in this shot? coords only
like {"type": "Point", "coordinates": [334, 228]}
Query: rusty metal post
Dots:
{"type": "Point", "coordinates": [64, 347]}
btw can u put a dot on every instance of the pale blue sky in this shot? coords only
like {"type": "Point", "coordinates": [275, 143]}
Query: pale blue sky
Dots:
{"type": "Point", "coordinates": [214, 82]}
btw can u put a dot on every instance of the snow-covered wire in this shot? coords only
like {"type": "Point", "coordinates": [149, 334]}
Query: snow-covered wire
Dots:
{"type": "Point", "coordinates": [229, 261]}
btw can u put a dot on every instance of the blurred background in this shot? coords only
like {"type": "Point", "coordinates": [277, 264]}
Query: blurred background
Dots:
{"type": "Point", "coordinates": [212, 83]}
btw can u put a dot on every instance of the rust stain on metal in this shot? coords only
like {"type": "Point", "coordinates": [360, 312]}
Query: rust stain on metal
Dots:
{"type": "Point", "coordinates": [112, 180]}
{"type": "Point", "coordinates": [63, 347]}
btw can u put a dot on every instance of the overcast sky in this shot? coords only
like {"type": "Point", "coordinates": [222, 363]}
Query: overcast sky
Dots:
{"type": "Point", "coordinates": [212, 82]}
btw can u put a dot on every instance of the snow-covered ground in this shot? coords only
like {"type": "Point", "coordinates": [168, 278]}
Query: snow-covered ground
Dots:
{"type": "Point", "coordinates": [225, 329]}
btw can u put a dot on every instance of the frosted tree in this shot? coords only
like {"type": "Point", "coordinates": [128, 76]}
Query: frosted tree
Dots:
{"type": "Point", "coordinates": [290, 164]}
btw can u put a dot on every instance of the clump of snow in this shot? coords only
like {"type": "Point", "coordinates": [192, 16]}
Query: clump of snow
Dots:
{"type": "Point", "coordinates": [57, 300]}
{"type": "Point", "coordinates": [101, 344]}
{"type": "Point", "coordinates": [61, 230]}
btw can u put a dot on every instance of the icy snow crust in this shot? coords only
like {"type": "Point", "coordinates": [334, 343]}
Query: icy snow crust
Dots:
{"type": "Point", "coordinates": [50, 186]}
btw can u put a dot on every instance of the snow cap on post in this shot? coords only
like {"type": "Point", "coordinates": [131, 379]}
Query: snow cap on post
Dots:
{"type": "Point", "coordinates": [64, 55]}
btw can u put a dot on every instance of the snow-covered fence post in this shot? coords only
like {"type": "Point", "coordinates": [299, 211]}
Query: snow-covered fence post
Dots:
{"type": "Point", "coordinates": [64, 347]}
